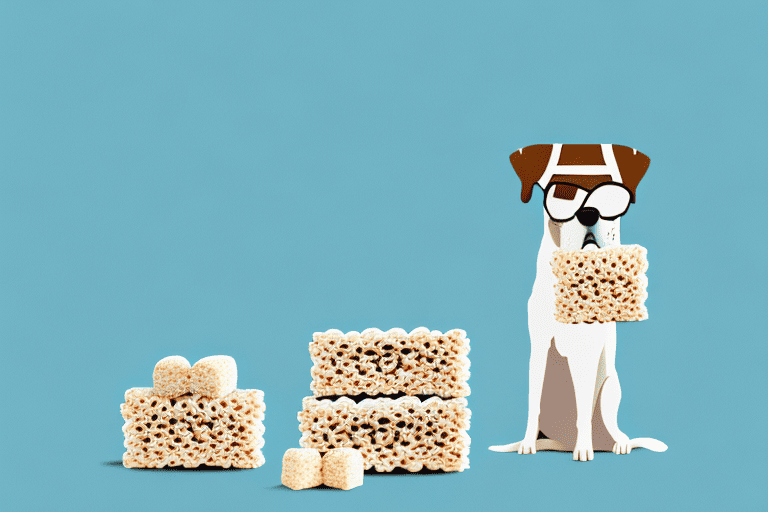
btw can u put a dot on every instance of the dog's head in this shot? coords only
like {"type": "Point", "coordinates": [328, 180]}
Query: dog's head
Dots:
{"type": "Point", "coordinates": [587, 188]}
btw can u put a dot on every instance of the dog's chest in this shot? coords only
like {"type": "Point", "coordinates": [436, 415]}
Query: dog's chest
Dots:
{"type": "Point", "coordinates": [581, 340]}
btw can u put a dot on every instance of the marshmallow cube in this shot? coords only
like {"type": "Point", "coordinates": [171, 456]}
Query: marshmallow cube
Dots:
{"type": "Point", "coordinates": [302, 468]}
{"type": "Point", "coordinates": [343, 468]}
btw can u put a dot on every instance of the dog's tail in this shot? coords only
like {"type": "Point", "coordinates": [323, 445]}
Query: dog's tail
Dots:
{"type": "Point", "coordinates": [648, 443]}
{"type": "Point", "coordinates": [552, 445]}
{"type": "Point", "coordinates": [541, 445]}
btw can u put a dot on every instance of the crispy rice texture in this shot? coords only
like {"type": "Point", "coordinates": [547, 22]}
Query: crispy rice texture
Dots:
{"type": "Point", "coordinates": [605, 285]}
{"type": "Point", "coordinates": [373, 362]}
{"type": "Point", "coordinates": [389, 433]}
{"type": "Point", "coordinates": [191, 430]}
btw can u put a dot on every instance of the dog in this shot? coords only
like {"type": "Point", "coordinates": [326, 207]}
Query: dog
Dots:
{"type": "Point", "coordinates": [573, 387]}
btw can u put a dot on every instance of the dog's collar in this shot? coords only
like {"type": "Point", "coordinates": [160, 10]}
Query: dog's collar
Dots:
{"type": "Point", "coordinates": [610, 167]}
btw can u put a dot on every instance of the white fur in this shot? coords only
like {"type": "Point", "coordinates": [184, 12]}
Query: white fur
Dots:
{"type": "Point", "coordinates": [590, 351]}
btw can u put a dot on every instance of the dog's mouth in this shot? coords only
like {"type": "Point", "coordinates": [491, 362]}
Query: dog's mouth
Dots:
{"type": "Point", "coordinates": [589, 239]}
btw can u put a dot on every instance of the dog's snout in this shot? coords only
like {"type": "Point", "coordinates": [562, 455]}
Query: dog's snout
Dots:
{"type": "Point", "coordinates": [588, 216]}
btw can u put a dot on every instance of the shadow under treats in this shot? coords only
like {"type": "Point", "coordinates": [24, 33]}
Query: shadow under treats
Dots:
{"type": "Point", "coordinates": [403, 471]}
{"type": "Point", "coordinates": [372, 472]}
{"type": "Point", "coordinates": [119, 464]}
{"type": "Point", "coordinates": [318, 488]}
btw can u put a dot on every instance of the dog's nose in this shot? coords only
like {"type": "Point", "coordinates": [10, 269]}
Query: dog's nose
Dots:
{"type": "Point", "coordinates": [588, 216]}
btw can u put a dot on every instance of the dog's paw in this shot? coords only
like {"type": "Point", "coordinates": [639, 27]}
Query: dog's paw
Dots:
{"type": "Point", "coordinates": [622, 446]}
{"type": "Point", "coordinates": [583, 452]}
{"type": "Point", "coordinates": [527, 445]}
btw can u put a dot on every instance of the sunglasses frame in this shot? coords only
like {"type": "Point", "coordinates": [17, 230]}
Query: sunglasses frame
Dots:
{"type": "Point", "coordinates": [589, 193]}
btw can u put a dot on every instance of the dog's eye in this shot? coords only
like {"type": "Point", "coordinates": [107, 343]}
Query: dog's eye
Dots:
{"type": "Point", "coordinates": [563, 200]}
{"type": "Point", "coordinates": [564, 191]}
{"type": "Point", "coordinates": [610, 200]}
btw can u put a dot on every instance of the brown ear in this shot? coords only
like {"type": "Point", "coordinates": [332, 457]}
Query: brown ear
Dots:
{"type": "Point", "coordinates": [632, 166]}
{"type": "Point", "coordinates": [530, 163]}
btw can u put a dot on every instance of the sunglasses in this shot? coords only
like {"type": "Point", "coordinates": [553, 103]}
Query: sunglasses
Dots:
{"type": "Point", "coordinates": [563, 200]}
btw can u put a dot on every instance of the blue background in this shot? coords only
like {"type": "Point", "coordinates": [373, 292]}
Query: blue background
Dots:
{"type": "Point", "coordinates": [198, 179]}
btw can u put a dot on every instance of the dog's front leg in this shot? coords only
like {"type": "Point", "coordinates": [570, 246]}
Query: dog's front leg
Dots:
{"type": "Point", "coordinates": [536, 369]}
{"type": "Point", "coordinates": [611, 396]}
{"type": "Point", "coordinates": [583, 367]}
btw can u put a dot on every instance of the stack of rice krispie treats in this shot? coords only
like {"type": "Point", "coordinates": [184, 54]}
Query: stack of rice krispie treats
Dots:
{"type": "Point", "coordinates": [397, 397]}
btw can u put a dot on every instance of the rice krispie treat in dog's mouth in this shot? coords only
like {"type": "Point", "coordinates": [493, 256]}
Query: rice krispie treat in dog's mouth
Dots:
{"type": "Point", "coordinates": [604, 285]}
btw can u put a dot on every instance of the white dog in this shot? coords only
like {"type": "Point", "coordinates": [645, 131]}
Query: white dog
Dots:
{"type": "Point", "coordinates": [574, 390]}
